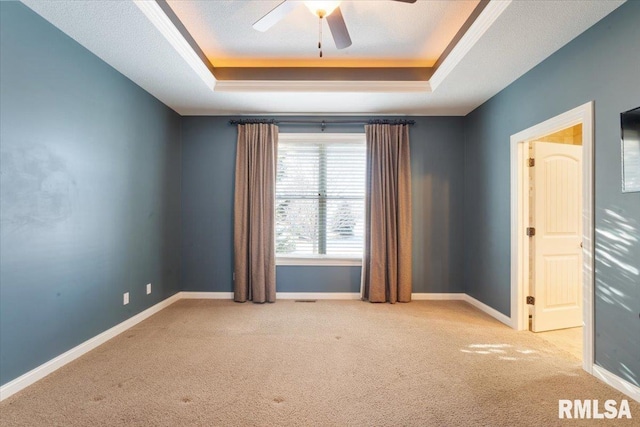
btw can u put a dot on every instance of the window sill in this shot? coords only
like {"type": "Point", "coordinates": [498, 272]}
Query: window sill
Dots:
{"type": "Point", "coordinates": [312, 261]}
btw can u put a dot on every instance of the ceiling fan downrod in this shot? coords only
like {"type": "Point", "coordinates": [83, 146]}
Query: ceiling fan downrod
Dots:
{"type": "Point", "coordinates": [320, 16]}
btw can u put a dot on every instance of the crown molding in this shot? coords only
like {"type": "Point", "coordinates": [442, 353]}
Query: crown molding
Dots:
{"type": "Point", "coordinates": [321, 86]}
{"type": "Point", "coordinates": [167, 28]}
{"type": "Point", "coordinates": [480, 25]}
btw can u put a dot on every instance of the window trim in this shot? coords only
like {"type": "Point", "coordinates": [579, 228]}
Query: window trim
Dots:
{"type": "Point", "coordinates": [320, 260]}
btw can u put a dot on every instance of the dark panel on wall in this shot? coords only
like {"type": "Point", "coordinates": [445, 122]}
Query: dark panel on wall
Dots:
{"type": "Point", "coordinates": [603, 64]}
{"type": "Point", "coordinates": [207, 203]}
{"type": "Point", "coordinates": [90, 194]}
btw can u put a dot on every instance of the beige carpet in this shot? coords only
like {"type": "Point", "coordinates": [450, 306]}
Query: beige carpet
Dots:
{"type": "Point", "coordinates": [569, 340]}
{"type": "Point", "coordinates": [327, 363]}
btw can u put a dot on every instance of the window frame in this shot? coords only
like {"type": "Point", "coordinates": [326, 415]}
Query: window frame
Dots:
{"type": "Point", "coordinates": [320, 260]}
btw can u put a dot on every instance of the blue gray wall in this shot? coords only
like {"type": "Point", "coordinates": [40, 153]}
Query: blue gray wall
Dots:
{"type": "Point", "coordinates": [208, 163]}
{"type": "Point", "coordinates": [603, 64]}
{"type": "Point", "coordinates": [89, 197]}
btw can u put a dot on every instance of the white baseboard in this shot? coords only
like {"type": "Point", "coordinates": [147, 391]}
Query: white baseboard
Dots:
{"type": "Point", "coordinates": [436, 297]}
{"type": "Point", "coordinates": [318, 295]}
{"type": "Point", "coordinates": [279, 295]}
{"type": "Point", "coordinates": [485, 308]}
{"type": "Point", "coordinates": [623, 386]}
{"type": "Point", "coordinates": [56, 363]}
{"type": "Point", "coordinates": [206, 295]}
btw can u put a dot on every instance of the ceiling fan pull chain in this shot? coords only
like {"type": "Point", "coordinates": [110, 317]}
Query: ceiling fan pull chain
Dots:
{"type": "Point", "coordinates": [320, 34]}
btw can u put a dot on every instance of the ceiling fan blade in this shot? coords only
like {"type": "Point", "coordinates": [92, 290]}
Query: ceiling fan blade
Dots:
{"type": "Point", "coordinates": [339, 29]}
{"type": "Point", "coordinates": [275, 15]}
{"type": "Point", "coordinates": [406, 1]}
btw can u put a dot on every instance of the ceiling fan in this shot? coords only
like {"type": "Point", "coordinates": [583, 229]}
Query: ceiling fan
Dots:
{"type": "Point", "coordinates": [322, 9]}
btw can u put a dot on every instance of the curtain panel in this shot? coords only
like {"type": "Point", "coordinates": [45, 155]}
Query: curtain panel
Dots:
{"type": "Point", "coordinates": [254, 210]}
{"type": "Point", "coordinates": [386, 267]}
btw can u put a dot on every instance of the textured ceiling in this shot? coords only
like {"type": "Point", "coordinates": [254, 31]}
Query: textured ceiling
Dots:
{"type": "Point", "coordinates": [384, 32]}
{"type": "Point", "coordinates": [523, 35]}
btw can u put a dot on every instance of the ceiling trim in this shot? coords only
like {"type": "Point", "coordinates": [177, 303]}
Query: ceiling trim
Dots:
{"type": "Point", "coordinates": [185, 33]}
{"type": "Point", "coordinates": [490, 12]}
{"type": "Point", "coordinates": [475, 13]}
{"type": "Point", "coordinates": [159, 18]}
{"type": "Point", "coordinates": [321, 86]}
{"type": "Point", "coordinates": [400, 74]}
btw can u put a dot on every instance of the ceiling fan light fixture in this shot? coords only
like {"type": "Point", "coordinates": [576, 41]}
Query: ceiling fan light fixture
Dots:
{"type": "Point", "coordinates": [321, 8]}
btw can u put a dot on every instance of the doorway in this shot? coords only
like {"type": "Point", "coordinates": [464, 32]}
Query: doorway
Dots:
{"type": "Point", "coordinates": [555, 248]}
{"type": "Point", "coordinates": [551, 230]}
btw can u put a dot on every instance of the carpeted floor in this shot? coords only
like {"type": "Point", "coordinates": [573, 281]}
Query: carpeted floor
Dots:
{"type": "Point", "coordinates": [569, 340]}
{"type": "Point", "coordinates": [206, 363]}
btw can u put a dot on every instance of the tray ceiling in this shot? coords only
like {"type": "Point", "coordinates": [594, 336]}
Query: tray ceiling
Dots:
{"type": "Point", "coordinates": [505, 40]}
{"type": "Point", "coordinates": [384, 33]}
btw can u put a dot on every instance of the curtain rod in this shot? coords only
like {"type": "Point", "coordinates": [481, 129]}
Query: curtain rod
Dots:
{"type": "Point", "coordinates": [323, 123]}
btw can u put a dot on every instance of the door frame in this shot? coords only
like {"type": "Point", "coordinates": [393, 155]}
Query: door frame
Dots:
{"type": "Point", "coordinates": [519, 220]}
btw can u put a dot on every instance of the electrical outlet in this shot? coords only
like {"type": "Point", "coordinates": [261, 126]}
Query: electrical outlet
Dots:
{"type": "Point", "coordinates": [148, 288]}
{"type": "Point", "coordinates": [125, 298]}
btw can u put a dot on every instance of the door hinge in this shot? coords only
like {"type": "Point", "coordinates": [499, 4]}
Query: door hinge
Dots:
{"type": "Point", "coordinates": [531, 300]}
{"type": "Point", "coordinates": [531, 231]}
{"type": "Point", "coordinates": [531, 162]}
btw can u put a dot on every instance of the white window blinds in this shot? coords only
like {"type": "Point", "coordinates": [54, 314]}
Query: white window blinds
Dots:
{"type": "Point", "coordinates": [320, 186]}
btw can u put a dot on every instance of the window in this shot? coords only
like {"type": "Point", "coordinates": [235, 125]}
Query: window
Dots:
{"type": "Point", "coordinates": [320, 185]}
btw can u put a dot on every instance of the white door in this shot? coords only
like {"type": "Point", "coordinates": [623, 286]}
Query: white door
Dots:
{"type": "Point", "coordinates": [557, 248]}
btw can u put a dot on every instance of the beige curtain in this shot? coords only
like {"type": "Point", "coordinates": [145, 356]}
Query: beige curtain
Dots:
{"type": "Point", "coordinates": [386, 267]}
{"type": "Point", "coordinates": [253, 221]}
